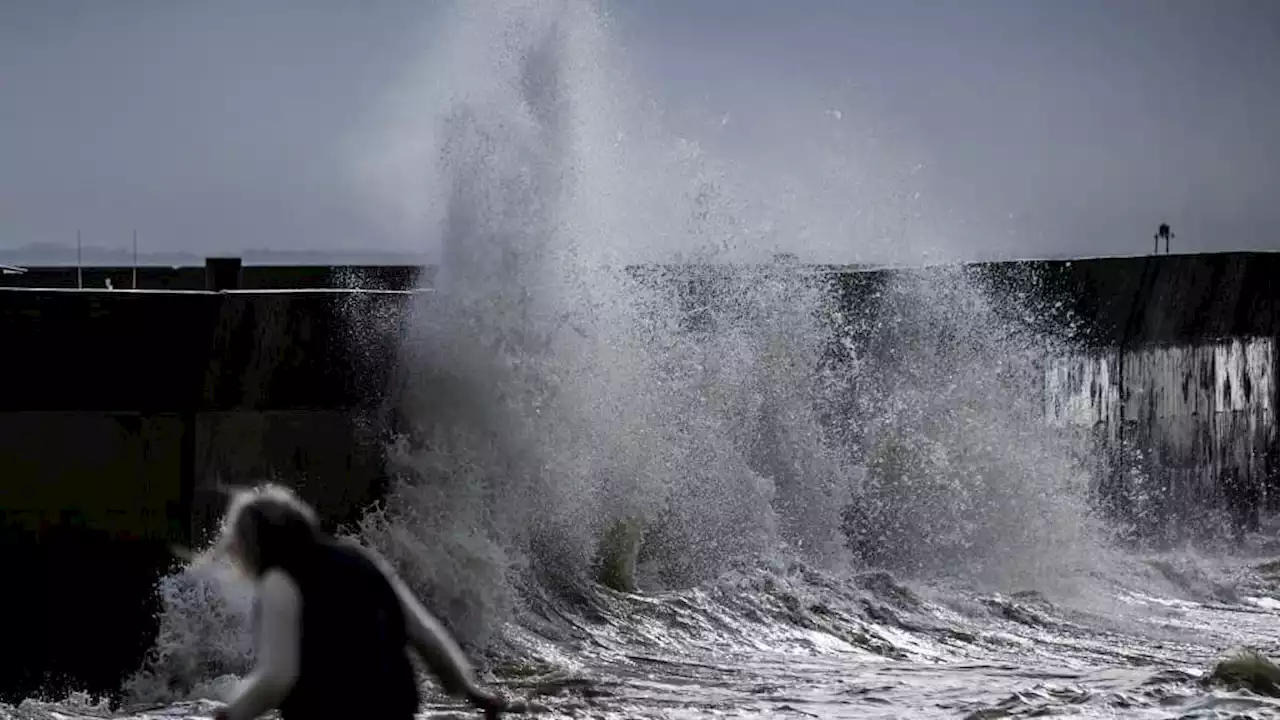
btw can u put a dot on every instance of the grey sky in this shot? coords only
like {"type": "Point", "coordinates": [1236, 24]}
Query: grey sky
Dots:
{"type": "Point", "coordinates": [969, 127]}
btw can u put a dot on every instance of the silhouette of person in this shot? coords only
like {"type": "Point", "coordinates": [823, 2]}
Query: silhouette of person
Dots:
{"type": "Point", "coordinates": [333, 622]}
{"type": "Point", "coordinates": [1163, 233]}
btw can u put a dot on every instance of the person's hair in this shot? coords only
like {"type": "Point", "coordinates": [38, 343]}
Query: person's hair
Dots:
{"type": "Point", "coordinates": [267, 527]}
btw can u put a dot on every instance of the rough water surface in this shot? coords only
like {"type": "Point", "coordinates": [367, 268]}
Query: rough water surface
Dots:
{"type": "Point", "coordinates": [792, 641]}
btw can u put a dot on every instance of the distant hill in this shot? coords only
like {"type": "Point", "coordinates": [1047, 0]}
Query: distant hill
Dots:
{"type": "Point", "coordinates": [49, 254]}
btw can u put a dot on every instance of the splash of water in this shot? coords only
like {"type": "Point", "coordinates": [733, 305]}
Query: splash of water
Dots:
{"type": "Point", "coordinates": [964, 477]}
{"type": "Point", "coordinates": [203, 639]}
{"type": "Point", "coordinates": [554, 395]}
{"type": "Point", "coordinates": [557, 395]}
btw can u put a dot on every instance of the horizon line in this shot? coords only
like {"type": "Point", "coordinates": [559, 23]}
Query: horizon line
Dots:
{"type": "Point", "coordinates": [149, 260]}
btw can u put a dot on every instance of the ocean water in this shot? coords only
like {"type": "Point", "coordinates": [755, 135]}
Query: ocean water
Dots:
{"type": "Point", "coordinates": [811, 509]}
{"type": "Point", "coordinates": [792, 641]}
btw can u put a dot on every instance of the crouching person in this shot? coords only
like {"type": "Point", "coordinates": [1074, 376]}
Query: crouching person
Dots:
{"type": "Point", "coordinates": [333, 622]}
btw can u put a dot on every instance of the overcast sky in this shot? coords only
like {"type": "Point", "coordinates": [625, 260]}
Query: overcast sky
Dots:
{"type": "Point", "coordinates": [1015, 127]}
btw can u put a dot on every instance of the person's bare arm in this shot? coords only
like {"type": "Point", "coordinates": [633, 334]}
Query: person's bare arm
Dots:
{"type": "Point", "coordinates": [441, 653]}
{"type": "Point", "coordinates": [276, 669]}
{"type": "Point", "coordinates": [434, 644]}
{"type": "Point", "coordinates": [437, 648]}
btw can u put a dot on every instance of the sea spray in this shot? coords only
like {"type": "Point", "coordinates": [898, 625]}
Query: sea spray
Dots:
{"type": "Point", "coordinates": [577, 397]}
{"type": "Point", "coordinates": [203, 637]}
{"type": "Point", "coordinates": [744, 417]}
{"type": "Point", "coordinates": [963, 476]}
{"type": "Point", "coordinates": [555, 395]}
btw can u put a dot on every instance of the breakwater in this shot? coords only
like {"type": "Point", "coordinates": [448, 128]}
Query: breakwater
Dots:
{"type": "Point", "coordinates": [122, 410]}
{"type": "Point", "coordinates": [120, 414]}
{"type": "Point", "coordinates": [1171, 382]}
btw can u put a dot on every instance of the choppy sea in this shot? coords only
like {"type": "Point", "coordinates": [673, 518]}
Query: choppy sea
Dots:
{"type": "Point", "coordinates": [794, 642]}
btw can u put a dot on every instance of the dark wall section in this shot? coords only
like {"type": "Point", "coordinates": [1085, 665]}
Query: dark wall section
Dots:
{"type": "Point", "coordinates": [89, 501]}
{"type": "Point", "coordinates": [119, 415]}
{"type": "Point", "coordinates": [1166, 299]}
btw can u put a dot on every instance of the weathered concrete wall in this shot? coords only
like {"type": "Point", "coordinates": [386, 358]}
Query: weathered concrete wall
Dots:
{"type": "Point", "coordinates": [120, 413]}
{"type": "Point", "coordinates": [1174, 380]}
{"type": "Point", "coordinates": [1184, 436]}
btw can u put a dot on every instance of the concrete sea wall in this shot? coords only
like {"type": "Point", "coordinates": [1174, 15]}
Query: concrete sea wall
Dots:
{"type": "Point", "coordinates": [1171, 385]}
{"type": "Point", "coordinates": [119, 415]}
{"type": "Point", "coordinates": [1184, 436]}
